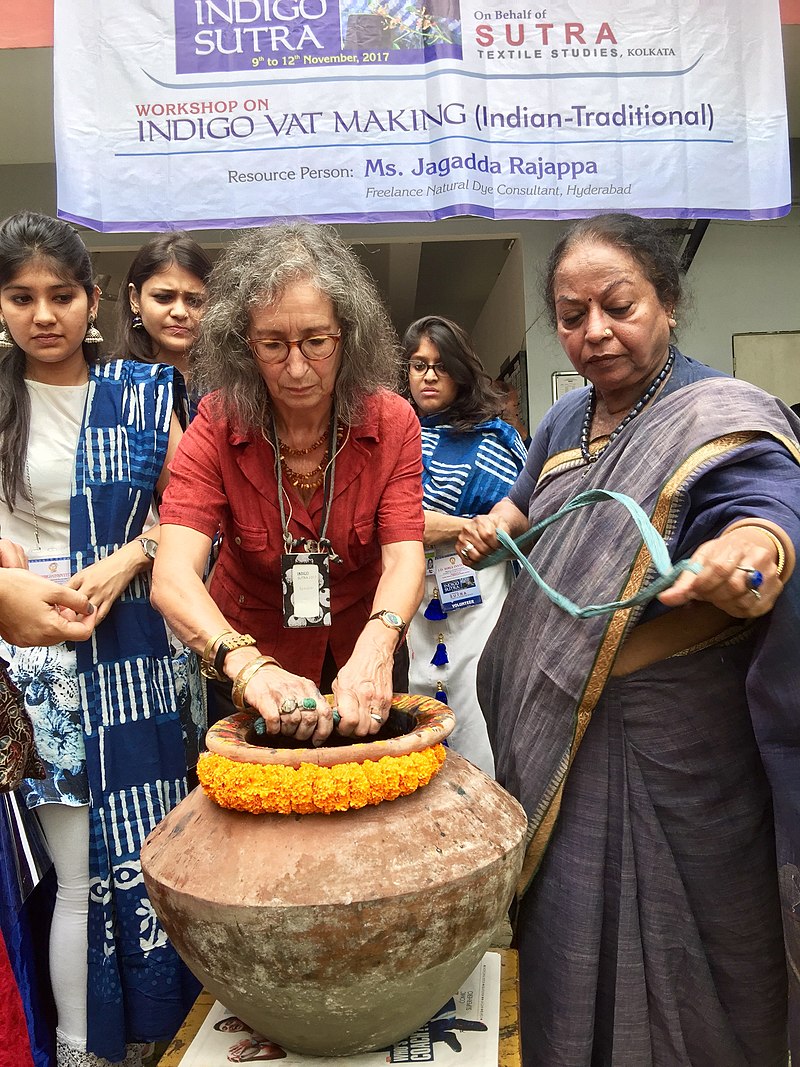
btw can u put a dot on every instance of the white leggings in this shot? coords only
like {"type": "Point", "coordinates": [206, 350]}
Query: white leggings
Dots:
{"type": "Point", "coordinates": [67, 831]}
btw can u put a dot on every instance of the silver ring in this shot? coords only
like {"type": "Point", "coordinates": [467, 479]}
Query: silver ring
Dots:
{"type": "Point", "coordinates": [755, 578]}
{"type": "Point", "coordinates": [377, 718]}
{"type": "Point", "coordinates": [288, 706]}
{"type": "Point", "coordinates": [756, 594]}
{"type": "Point", "coordinates": [468, 547]}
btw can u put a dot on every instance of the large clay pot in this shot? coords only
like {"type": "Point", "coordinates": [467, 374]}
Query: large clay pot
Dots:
{"type": "Point", "coordinates": [339, 934]}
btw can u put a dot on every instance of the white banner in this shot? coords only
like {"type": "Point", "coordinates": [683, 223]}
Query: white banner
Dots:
{"type": "Point", "coordinates": [218, 113]}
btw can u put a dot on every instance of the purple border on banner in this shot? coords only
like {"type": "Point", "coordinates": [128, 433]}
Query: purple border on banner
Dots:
{"type": "Point", "coordinates": [451, 211]}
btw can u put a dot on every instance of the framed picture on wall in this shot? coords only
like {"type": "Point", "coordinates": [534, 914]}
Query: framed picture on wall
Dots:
{"type": "Point", "coordinates": [515, 372]}
{"type": "Point", "coordinates": [565, 381]}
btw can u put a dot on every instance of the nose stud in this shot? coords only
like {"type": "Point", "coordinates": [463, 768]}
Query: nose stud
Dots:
{"type": "Point", "coordinates": [608, 332]}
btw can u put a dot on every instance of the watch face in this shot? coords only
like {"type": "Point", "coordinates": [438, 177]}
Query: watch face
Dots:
{"type": "Point", "coordinates": [393, 619]}
{"type": "Point", "coordinates": [149, 547]}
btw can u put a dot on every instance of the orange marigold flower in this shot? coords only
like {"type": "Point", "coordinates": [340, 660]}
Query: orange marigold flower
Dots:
{"type": "Point", "coordinates": [308, 788]}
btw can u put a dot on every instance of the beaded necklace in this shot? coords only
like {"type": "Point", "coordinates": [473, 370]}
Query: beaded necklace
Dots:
{"type": "Point", "coordinates": [644, 399]}
{"type": "Point", "coordinates": [306, 479]}
{"type": "Point", "coordinates": [286, 451]}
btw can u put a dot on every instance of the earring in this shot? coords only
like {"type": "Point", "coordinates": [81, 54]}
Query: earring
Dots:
{"type": "Point", "coordinates": [93, 335]}
{"type": "Point", "coordinates": [672, 322]}
{"type": "Point", "coordinates": [5, 336]}
{"type": "Point", "coordinates": [136, 322]}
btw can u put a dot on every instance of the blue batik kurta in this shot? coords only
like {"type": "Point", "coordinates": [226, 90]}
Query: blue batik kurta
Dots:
{"type": "Point", "coordinates": [129, 688]}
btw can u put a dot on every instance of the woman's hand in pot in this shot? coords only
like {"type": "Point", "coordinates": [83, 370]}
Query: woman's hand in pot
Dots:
{"type": "Point", "coordinates": [289, 704]}
{"type": "Point", "coordinates": [363, 691]}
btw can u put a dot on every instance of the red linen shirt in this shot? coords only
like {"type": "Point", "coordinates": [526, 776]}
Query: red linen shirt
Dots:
{"type": "Point", "coordinates": [221, 479]}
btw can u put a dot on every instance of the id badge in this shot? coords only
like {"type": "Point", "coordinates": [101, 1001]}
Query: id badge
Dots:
{"type": "Point", "coordinates": [458, 585]}
{"type": "Point", "coordinates": [56, 568]}
{"type": "Point", "coordinates": [305, 577]}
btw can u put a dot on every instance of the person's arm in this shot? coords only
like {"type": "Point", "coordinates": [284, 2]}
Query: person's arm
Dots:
{"type": "Point", "coordinates": [478, 536]}
{"type": "Point", "coordinates": [744, 514]}
{"type": "Point", "coordinates": [363, 687]}
{"type": "Point", "coordinates": [728, 562]}
{"type": "Point", "coordinates": [179, 593]}
{"type": "Point", "coordinates": [34, 611]}
{"type": "Point", "coordinates": [104, 581]}
{"type": "Point", "coordinates": [440, 528]}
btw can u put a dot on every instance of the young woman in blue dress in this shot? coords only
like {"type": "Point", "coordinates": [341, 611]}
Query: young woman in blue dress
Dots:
{"type": "Point", "coordinates": [84, 447]}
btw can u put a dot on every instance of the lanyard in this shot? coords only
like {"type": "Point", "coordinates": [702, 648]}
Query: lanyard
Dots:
{"type": "Point", "coordinates": [294, 544]}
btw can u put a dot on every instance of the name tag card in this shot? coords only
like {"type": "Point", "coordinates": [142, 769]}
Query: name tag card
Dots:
{"type": "Point", "coordinates": [305, 577]}
{"type": "Point", "coordinates": [56, 568]}
{"type": "Point", "coordinates": [458, 585]}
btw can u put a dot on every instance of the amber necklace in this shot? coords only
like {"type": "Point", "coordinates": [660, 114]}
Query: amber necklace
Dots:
{"type": "Point", "coordinates": [287, 451]}
{"type": "Point", "coordinates": [305, 479]}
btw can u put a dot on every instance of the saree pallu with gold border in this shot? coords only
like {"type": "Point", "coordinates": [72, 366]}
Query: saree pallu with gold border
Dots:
{"type": "Point", "coordinates": [650, 933]}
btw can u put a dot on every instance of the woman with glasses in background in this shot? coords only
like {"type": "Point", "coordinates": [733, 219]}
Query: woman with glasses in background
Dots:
{"type": "Point", "coordinates": [310, 467]}
{"type": "Point", "coordinates": [470, 456]}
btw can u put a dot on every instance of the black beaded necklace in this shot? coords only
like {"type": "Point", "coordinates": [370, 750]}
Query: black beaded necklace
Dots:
{"type": "Point", "coordinates": [644, 399]}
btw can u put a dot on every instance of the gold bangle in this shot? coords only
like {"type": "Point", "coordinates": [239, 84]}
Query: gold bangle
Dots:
{"type": "Point", "coordinates": [775, 540]}
{"type": "Point", "coordinates": [224, 647]}
{"type": "Point", "coordinates": [206, 660]}
{"type": "Point", "coordinates": [244, 676]}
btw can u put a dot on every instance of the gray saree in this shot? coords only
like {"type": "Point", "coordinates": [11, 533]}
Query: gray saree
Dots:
{"type": "Point", "coordinates": [650, 935]}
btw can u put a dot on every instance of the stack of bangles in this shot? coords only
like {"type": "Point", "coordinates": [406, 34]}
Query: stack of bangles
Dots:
{"type": "Point", "coordinates": [213, 659]}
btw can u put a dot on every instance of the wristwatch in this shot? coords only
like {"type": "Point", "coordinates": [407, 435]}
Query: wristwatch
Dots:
{"type": "Point", "coordinates": [390, 619]}
{"type": "Point", "coordinates": [149, 547]}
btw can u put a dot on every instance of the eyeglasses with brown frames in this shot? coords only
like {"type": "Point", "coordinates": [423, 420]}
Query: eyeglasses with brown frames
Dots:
{"type": "Point", "coordinates": [270, 350]}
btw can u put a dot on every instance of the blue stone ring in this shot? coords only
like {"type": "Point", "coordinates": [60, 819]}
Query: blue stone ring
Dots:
{"type": "Point", "coordinates": [755, 579]}
{"type": "Point", "coordinates": [309, 703]}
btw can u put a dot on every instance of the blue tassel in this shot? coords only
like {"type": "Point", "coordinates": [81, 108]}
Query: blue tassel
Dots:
{"type": "Point", "coordinates": [440, 694]}
{"type": "Point", "coordinates": [440, 655]}
{"type": "Point", "coordinates": [434, 612]}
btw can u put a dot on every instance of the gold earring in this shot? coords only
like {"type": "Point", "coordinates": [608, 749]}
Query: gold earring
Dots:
{"type": "Point", "coordinates": [5, 336]}
{"type": "Point", "coordinates": [93, 335]}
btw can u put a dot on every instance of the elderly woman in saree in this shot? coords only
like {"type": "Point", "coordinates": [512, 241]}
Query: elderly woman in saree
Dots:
{"type": "Point", "coordinates": [653, 748]}
{"type": "Point", "coordinates": [310, 467]}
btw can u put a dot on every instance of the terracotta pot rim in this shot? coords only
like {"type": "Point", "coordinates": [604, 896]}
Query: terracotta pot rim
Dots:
{"type": "Point", "coordinates": [434, 721]}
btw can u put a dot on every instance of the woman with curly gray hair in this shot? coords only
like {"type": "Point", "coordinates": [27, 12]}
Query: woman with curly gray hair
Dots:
{"type": "Point", "coordinates": [309, 467]}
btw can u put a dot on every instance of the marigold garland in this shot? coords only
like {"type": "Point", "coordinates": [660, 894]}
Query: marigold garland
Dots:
{"type": "Point", "coordinates": [308, 789]}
